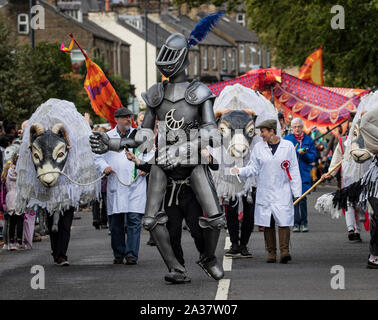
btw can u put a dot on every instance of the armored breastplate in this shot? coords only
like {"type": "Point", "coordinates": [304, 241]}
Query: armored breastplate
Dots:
{"type": "Point", "coordinates": [176, 112]}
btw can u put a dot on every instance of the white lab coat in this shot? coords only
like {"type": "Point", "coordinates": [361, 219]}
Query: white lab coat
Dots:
{"type": "Point", "coordinates": [275, 191]}
{"type": "Point", "coordinates": [119, 198]}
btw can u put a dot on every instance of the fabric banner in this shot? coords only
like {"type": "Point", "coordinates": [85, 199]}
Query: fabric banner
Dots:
{"type": "Point", "coordinates": [104, 99]}
{"type": "Point", "coordinates": [312, 69]}
{"type": "Point", "coordinates": [315, 105]}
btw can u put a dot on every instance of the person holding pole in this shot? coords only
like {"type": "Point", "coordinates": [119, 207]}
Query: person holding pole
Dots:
{"type": "Point", "coordinates": [274, 163]}
{"type": "Point", "coordinates": [306, 155]}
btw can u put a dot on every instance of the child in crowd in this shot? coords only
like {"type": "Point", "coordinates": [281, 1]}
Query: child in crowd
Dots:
{"type": "Point", "coordinates": [16, 219]}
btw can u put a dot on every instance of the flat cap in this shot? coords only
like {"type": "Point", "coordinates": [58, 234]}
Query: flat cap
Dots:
{"type": "Point", "coordinates": [122, 112]}
{"type": "Point", "coordinates": [269, 124]}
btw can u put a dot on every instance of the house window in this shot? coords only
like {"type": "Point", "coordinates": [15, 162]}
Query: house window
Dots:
{"type": "Point", "coordinates": [252, 52]}
{"type": "Point", "coordinates": [224, 60]}
{"type": "Point", "coordinates": [97, 53]}
{"type": "Point", "coordinates": [77, 56]}
{"type": "Point", "coordinates": [240, 18]}
{"type": "Point", "coordinates": [133, 20]}
{"type": "Point", "coordinates": [215, 58]}
{"type": "Point", "coordinates": [242, 56]}
{"type": "Point", "coordinates": [233, 64]}
{"type": "Point", "coordinates": [205, 64]}
{"type": "Point", "coordinates": [23, 23]}
{"type": "Point", "coordinates": [260, 58]}
{"type": "Point", "coordinates": [195, 67]}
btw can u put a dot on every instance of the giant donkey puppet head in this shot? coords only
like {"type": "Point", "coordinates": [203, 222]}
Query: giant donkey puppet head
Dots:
{"type": "Point", "coordinates": [237, 129]}
{"type": "Point", "coordinates": [49, 151]}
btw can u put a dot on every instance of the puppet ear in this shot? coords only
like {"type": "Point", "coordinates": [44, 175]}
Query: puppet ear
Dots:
{"type": "Point", "coordinates": [221, 112]}
{"type": "Point", "coordinates": [36, 130]}
{"type": "Point", "coordinates": [61, 131]}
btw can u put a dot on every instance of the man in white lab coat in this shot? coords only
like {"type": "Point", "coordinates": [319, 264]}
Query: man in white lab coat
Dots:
{"type": "Point", "coordinates": [125, 204]}
{"type": "Point", "coordinates": [274, 163]}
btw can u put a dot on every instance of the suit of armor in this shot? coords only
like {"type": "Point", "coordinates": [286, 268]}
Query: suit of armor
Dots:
{"type": "Point", "coordinates": [180, 106]}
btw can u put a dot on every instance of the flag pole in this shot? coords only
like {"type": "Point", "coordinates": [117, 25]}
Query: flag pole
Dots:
{"type": "Point", "coordinates": [317, 183]}
{"type": "Point", "coordinates": [81, 49]}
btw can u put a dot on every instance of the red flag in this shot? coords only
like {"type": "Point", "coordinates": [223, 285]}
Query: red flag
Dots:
{"type": "Point", "coordinates": [104, 99]}
{"type": "Point", "coordinates": [312, 69]}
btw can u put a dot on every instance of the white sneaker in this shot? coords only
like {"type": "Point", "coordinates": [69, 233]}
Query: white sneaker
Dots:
{"type": "Point", "coordinates": [5, 247]}
{"type": "Point", "coordinates": [13, 247]}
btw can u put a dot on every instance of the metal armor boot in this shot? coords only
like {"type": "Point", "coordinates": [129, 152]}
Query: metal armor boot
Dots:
{"type": "Point", "coordinates": [208, 262]}
{"type": "Point", "coordinates": [177, 277]}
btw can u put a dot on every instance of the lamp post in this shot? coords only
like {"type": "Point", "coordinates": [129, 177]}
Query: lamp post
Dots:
{"type": "Point", "coordinates": [31, 26]}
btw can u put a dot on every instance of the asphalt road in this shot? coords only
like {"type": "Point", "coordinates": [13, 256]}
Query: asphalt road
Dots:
{"type": "Point", "coordinates": [92, 275]}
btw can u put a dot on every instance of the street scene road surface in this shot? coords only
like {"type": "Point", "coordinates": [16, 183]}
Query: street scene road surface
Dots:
{"type": "Point", "coordinates": [91, 274]}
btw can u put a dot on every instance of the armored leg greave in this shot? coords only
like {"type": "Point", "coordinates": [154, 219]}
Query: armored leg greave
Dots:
{"type": "Point", "coordinates": [155, 220]}
{"type": "Point", "coordinates": [204, 189]}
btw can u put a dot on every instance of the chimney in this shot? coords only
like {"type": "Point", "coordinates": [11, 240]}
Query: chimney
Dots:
{"type": "Point", "coordinates": [106, 5]}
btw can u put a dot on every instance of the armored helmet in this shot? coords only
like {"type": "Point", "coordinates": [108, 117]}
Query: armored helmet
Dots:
{"type": "Point", "coordinates": [173, 55]}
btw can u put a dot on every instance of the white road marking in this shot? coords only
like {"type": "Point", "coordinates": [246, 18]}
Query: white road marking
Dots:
{"type": "Point", "coordinates": [223, 287]}
{"type": "Point", "coordinates": [227, 244]}
{"type": "Point", "coordinates": [227, 264]}
{"type": "Point", "coordinates": [224, 284]}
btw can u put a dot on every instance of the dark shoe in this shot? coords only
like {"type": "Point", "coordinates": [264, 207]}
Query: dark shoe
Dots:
{"type": "Point", "coordinates": [151, 242]}
{"type": "Point", "coordinates": [131, 260]}
{"type": "Point", "coordinates": [62, 262]}
{"type": "Point", "coordinates": [372, 262]}
{"type": "Point", "coordinates": [351, 235]}
{"type": "Point", "coordinates": [118, 261]}
{"type": "Point", "coordinates": [211, 267]}
{"type": "Point", "coordinates": [177, 277]}
{"type": "Point", "coordinates": [244, 252]}
{"type": "Point", "coordinates": [285, 259]}
{"type": "Point", "coordinates": [234, 251]}
{"type": "Point", "coordinates": [96, 225]}
{"type": "Point", "coordinates": [357, 237]}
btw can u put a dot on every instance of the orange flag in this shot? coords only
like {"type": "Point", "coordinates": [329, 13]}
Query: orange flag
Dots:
{"type": "Point", "coordinates": [312, 69]}
{"type": "Point", "coordinates": [104, 99]}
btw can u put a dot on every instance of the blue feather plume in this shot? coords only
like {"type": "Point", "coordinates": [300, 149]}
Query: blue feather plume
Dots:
{"type": "Point", "coordinates": [203, 27]}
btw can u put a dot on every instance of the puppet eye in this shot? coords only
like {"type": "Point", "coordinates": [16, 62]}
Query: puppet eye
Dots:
{"type": "Point", "coordinates": [36, 156]}
{"type": "Point", "coordinates": [60, 155]}
{"type": "Point", "coordinates": [224, 129]}
{"type": "Point", "coordinates": [250, 130]}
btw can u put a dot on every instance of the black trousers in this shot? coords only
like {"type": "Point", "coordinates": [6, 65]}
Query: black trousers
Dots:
{"type": "Point", "coordinates": [188, 208]}
{"type": "Point", "coordinates": [16, 224]}
{"type": "Point", "coordinates": [247, 223]}
{"type": "Point", "coordinates": [374, 227]}
{"type": "Point", "coordinates": [59, 240]}
{"type": "Point", "coordinates": [99, 211]}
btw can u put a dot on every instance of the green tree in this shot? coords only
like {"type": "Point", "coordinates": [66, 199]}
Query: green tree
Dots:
{"type": "Point", "coordinates": [292, 30]}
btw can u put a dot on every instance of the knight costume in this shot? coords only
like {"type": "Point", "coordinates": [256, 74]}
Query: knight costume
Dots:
{"type": "Point", "coordinates": [181, 107]}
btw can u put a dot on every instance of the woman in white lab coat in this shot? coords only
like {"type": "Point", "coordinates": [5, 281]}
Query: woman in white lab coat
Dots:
{"type": "Point", "coordinates": [274, 163]}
